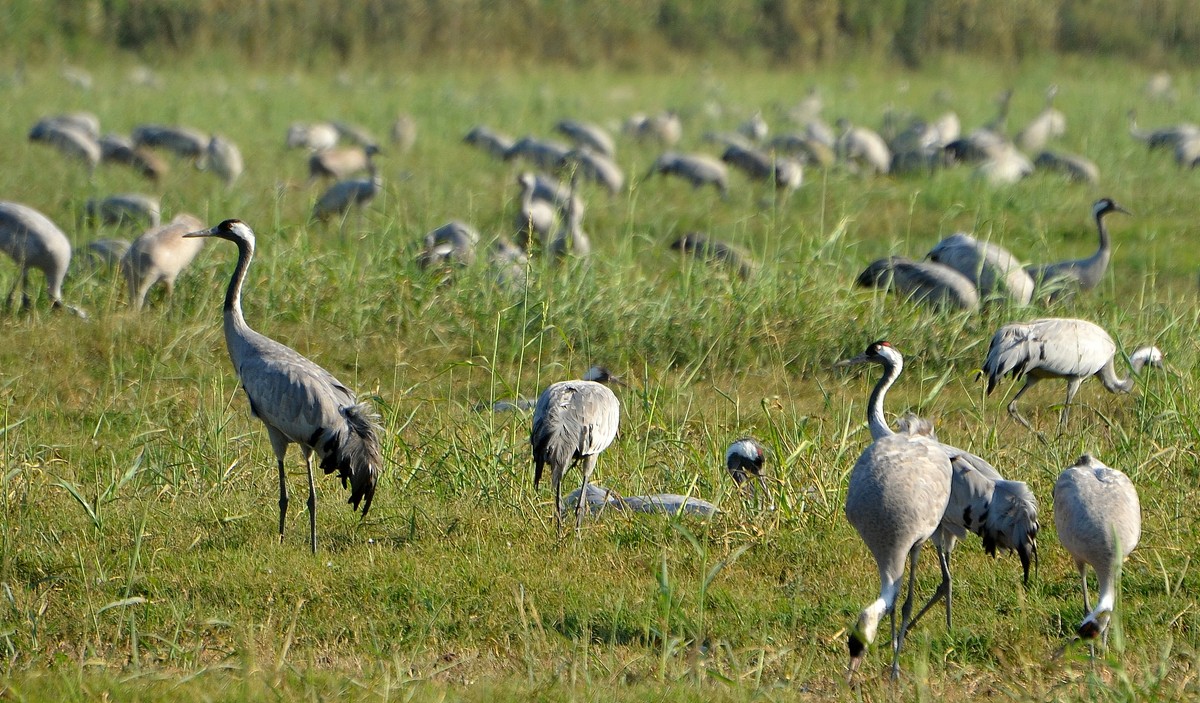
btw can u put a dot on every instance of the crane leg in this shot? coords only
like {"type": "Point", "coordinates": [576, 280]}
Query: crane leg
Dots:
{"type": "Point", "coordinates": [283, 498]}
{"type": "Point", "coordinates": [1072, 389]}
{"type": "Point", "coordinates": [1087, 603]}
{"type": "Point", "coordinates": [556, 478]}
{"type": "Point", "coordinates": [943, 591]}
{"type": "Point", "coordinates": [589, 465]}
{"type": "Point", "coordinates": [1012, 404]}
{"type": "Point", "coordinates": [312, 502]}
{"type": "Point", "coordinates": [905, 616]}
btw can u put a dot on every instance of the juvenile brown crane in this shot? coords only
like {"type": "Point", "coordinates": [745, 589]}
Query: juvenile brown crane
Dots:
{"type": "Point", "coordinates": [160, 254]}
{"type": "Point", "coordinates": [298, 401]}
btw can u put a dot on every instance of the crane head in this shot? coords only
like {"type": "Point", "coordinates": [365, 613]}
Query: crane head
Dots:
{"type": "Point", "coordinates": [600, 374]}
{"type": "Point", "coordinates": [1103, 206]}
{"type": "Point", "coordinates": [232, 230]}
{"type": "Point", "coordinates": [879, 352]}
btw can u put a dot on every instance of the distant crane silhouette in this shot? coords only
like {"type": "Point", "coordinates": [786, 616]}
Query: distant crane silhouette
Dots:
{"type": "Point", "coordinates": [1099, 522]}
{"type": "Point", "coordinates": [298, 401]}
{"type": "Point", "coordinates": [1065, 348]}
{"type": "Point", "coordinates": [922, 281]}
{"type": "Point", "coordinates": [573, 422]}
{"type": "Point", "coordinates": [345, 195]}
{"type": "Point", "coordinates": [992, 268]}
{"type": "Point", "coordinates": [697, 169]}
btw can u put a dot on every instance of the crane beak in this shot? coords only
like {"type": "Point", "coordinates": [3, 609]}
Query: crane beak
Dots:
{"type": "Point", "coordinates": [1118, 208]}
{"type": "Point", "coordinates": [860, 359]}
{"type": "Point", "coordinates": [201, 233]}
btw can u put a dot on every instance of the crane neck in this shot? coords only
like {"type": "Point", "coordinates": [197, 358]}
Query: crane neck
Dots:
{"type": "Point", "coordinates": [1102, 229]}
{"type": "Point", "coordinates": [233, 295]}
{"type": "Point", "coordinates": [875, 418]}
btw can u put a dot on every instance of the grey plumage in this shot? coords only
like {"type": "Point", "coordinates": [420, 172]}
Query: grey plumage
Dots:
{"type": "Point", "coordinates": [115, 148]}
{"type": "Point", "coordinates": [340, 163]}
{"type": "Point", "coordinates": [993, 270]}
{"type": "Point", "coordinates": [125, 208]}
{"type": "Point", "coordinates": [784, 173]}
{"type": "Point", "coordinates": [451, 244]}
{"type": "Point", "coordinates": [715, 251]}
{"type": "Point", "coordinates": [573, 422]}
{"type": "Point", "coordinates": [1065, 277]}
{"type": "Point", "coordinates": [1004, 165]}
{"type": "Point", "coordinates": [1075, 167]}
{"type": "Point", "coordinates": [1049, 124]}
{"type": "Point", "coordinates": [598, 498]}
{"type": "Point", "coordinates": [224, 159]}
{"type": "Point", "coordinates": [664, 128]}
{"type": "Point", "coordinates": [536, 216]}
{"type": "Point", "coordinates": [34, 242]}
{"type": "Point", "coordinates": [69, 140]}
{"type": "Point", "coordinates": [744, 460]}
{"type": "Point", "coordinates": [490, 142]}
{"type": "Point", "coordinates": [570, 237]}
{"type": "Point", "coordinates": [922, 281]}
{"type": "Point", "coordinates": [697, 169]}
{"type": "Point", "coordinates": [355, 133]}
{"type": "Point", "coordinates": [1099, 522]}
{"type": "Point", "coordinates": [298, 401]}
{"type": "Point", "coordinates": [589, 136]}
{"type": "Point", "coordinates": [1169, 137]}
{"type": "Point", "coordinates": [898, 492]}
{"type": "Point", "coordinates": [317, 136]}
{"type": "Point", "coordinates": [107, 252]}
{"type": "Point", "coordinates": [85, 122]}
{"type": "Point", "coordinates": [594, 167]}
{"type": "Point", "coordinates": [159, 255]}
{"type": "Point", "coordinates": [341, 197]}
{"type": "Point", "coordinates": [544, 154]}
{"type": "Point", "coordinates": [1064, 348]}
{"type": "Point", "coordinates": [184, 142]}
{"type": "Point", "coordinates": [862, 149]}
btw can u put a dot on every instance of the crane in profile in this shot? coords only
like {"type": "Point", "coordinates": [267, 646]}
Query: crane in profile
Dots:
{"type": "Point", "coordinates": [744, 459]}
{"type": "Point", "coordinates": [298, 401]}
{"type": "Point", "coordinates": [34, 242]}
{"type": "Point", "coordinates": [1064, 277]}
{"type": "Point", "coordinates": [1099, 522]}
{"type": "Point", "coordinates": [160, 254]}
{"type": "Point", "coordinates": [898, 492]}
{"type": "Point", "coordinates": [715, 251]}
{"type": "Point", "coordinates": [1065, 348]}
{"type": "Point", "coordinates": [344, 195]}
{"type": "Point", "coordinates": [1003, 513]}
{"type": "Point", "coordinates": [929, 282]}
{"type": "Point", "coordinates": [697, 169]}
{"type": "Point", "coordinates": [573, 422]}
{"type": "Point", "coordinates": [224, 159]}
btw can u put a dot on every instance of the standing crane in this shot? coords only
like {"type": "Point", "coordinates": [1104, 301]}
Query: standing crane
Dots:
{"type": "Point", "coordinates": [160, 254]}
{"type": "Point", "coordinates": [745, 458]}
{"type": "Point", "coordinates": [1082, 274]}
{"type": "Point", "coordinates": [1003, 513]}
{"type": "Point", "coordinates": [33, 241]}
{"type": "Point", "coordinates": [298, 401]}
{"type": "Point", "coordinates": [898, 492]}
{"type": "Point", "coordinates": [1064, 348]}
{"type": "Point", "coordinates": [573, 422]}
{"type": "Point", "coordinates": [1099, 521]}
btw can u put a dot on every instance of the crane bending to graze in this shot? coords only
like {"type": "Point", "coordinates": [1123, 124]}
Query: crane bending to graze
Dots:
{"type": "Point", "coordinates": [923, 281]}
{"type": "Point", "coordinates": [862, 149]}
{"type": "Point", "coordinates": [160, 254]}
{"type": "Point", "coordinates": [184, 142]}
{"type": "Point", "coordinates": [125, 208]}
{"type": "Point", "coordinates": [69, 140]}
{"type": "Point", "coordinates": [342, 196]}
{"type": "Point", "coordinates": [298, 401]}
{"type": "Point", "coordinates": [223, 158]}
{"type": "Point", "coordinates": [1099, 522]}
{"type": "Point", "coordinates": [595, 167]}
{"type": "Point", "coordinates": [899, 489]}
{"type": "Point", "coordinates": [588, 135]}
{"type": "Point", "coordinates": [744, 459]}
{"type": "Point", "coordinates": [541, 153]}
{"type": "Point", "coordinates": [451, 244]}
{"type": "Point", "coordinates": [34, 242]}
{"type": "Point", "coordinates": [490, 142]}
{"type": "Point", "coordinates": [1003, 513]}
{"type": "Point", "coordinates": [783, 173]}
{"type": "Point", "coordinates": [573, 422]}
{"type": "Point", "coordinates": [1169, 137]}
{"type": "Point", "coordinates": [715, 251]}
{"type": "Point", "coordinates": [1079, 274]}
{"type": "Point", "coordinates": [115, 148]}
{"type": "Point", "coordinates": [340, 163]}
{"type": "Point", "coordinates": [697, 169]}
{"type": "Point", "coordinates": [1074, 166]}
{"type": "Point", "coordinates": [1064, 348]}
{"type": "Point", "coordinates": [992, 268]}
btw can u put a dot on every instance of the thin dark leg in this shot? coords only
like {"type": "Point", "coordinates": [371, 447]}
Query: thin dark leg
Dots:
{"type": "Point", "coordinates": [312, 503]}
{"type": "Point", "coordinates": [283, 499]}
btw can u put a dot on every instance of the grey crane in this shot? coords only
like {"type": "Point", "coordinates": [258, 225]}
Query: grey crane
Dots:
{"type": "Point", "coordinates": [755, 128]}
{"type": "Point", "coordinates": [744, 459]}
{"type": "Point", "coordinates": [124, 208]}
{"type": "Point", "coordinates": [784, 173]}
{"type": "Point", "coordinates": [34, 242]}
{"type": "Point", "coordinates": [341, 197]}
{"type": "Point", "coordinates": [573, 422]}
{"type": "Point", "coordinates": [1065, 277]}
{"type": "Point", "coordinates": [595, 167]}
{"type": "Point", "coordinates": [804, 149]}
{"type": "Point", "coordinates": [184, 142]}
{"type": "Point", "coordinates": [1099, 522]}
{"type": "Point", "coordinates": [489, 141]}
{"type": "Point", "coordinates": [1168, 137]}
{"type": "Point", "coordinates": [1075, 167]}
{"type": "Point", "coordinates": [979, 143]}
{"type": "Point", "coordinates": [862, 149]}
{"type": "Point", "coordinates": [544, 154]}
{"type": "Point", "coordinates": [697, 169]}
{"type": "Point", "coordinates": [118, 149]}
{"type": "Point", "coordinates": [355, 133]}
{"type": "Point", "coordinates": [317, 136]}
{"type": "Point", "coordinates": [922, 281]}
{"type": "Point", "coordinates": [1065, 348]}
{"type": "Point", "coordinates": [715, 251]}
{"type": "Point", "coordinates": [1003, 513]}
{"type": "Point", "coordinates": [85, 122]}
{"type": "Point", "coordinates": [1049, 124]}
{"type": "Point", "coordinates": [298, 401]}
{"type": "Point", "coordinates": [224, 159]}
{"type": "Point", "coordinates": [898, 492]}
{"type": "Point", "coordinates": [340, 163]}
{"type": "Point", "coordinates": [509, 262]}
{"type": "Point", "coordinates": [451, 244]}
{"type": "Point", "coordinates": [992, 268]}
{"type": "Point", "coordinates": [1004, 165]}
{"type": "Point", "coordinates": [69, 140]}
{"type": "Point", "coordinates": [536, 216]}
{"type": "Point", "coordinates": [404, 133]}
{"type": "Point", "coordinates": [664, 128]}
{"type": "Point", "coordinates": [570, 237]}
{"type": "Point", "coordinates": [598, 498]}
{"type": "Point", "coordinates": [588, 135]}
{"type": "Point", "coordinates": [160, 255]}
{"type": "Point", "coordinates": [107, 252]}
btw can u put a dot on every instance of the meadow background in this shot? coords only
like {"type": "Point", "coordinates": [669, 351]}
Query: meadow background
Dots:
{"type": "Point", "coordinates": [138, 557]}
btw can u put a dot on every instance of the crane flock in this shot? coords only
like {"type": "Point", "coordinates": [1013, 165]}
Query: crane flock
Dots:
{"type": "Point", "coordinates": [906, 487]}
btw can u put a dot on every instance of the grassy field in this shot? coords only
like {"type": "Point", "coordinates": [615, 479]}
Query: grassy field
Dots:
{"type": "Point", "coordinates": [138, 557]}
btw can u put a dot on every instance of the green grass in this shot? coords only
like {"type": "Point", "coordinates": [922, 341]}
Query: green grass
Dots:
{"type": "Point", "coordinates": [138, 556]}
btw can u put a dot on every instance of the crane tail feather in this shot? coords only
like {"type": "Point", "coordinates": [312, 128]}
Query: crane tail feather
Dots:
{"type": "Point", "coordinates": [354, 453]}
